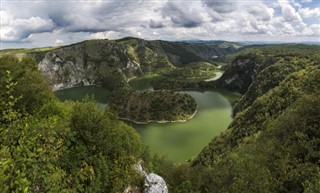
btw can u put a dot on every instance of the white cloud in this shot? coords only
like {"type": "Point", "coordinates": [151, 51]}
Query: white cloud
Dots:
{"type": "Point", "coordinates": [184, 14]}
{"type": "Point", "coordinates": [224, 26]}
{"type": "Point", "coordinates": [5, 18]}
{"type": "Point", "coordinates": [58, 42]}
{"type": "Point", "coordinates": [261, 11]}
{"type": "Point", "coordinates": [104, 35]}
{"type": "Point", "coordinates": [17, 29]}
{"type": "Point", "coordinates": [44, 22]}
{"type": "Point", "coordinates": [316, 30]}
{"type": "Point", "coordinates": [307, 12]}
{"type": "Point", "coordinates": [221, 7]}
{"type": "Point", "coordinates": [288, 12]}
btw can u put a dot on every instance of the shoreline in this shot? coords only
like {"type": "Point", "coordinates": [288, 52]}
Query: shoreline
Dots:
{"type": "Point", "coordinates": [163, 121]}
{"type": "Point", "coordinates": [218, 75]}
{"type": "Point", "coordinates": [55, 89]}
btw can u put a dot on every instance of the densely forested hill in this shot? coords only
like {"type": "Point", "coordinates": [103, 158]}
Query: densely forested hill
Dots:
{"type": "Point", "coordinates": [50, 146]}
{"type": "Point", "coordinates": [272, 145]}
{"type": "Point", "coordinates": [246, 65]}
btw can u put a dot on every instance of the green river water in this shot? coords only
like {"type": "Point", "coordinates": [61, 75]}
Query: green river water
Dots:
{"type": "Point", "coordinates": [178, 141]}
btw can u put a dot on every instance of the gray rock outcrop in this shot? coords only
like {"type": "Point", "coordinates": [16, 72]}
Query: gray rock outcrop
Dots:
{"type": "Point", "coordinates": [154, 184]}
{"type": "Point", "coordinates": [87, 63]}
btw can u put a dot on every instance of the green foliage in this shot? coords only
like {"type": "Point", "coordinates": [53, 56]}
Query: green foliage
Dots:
{"type": "Point", "coordinates": [32, 90]}
{"type": "Point", "coordinates": [30, 149]}
{"type": "Point", "coordinates": [282, 158]}
{"type": "Point", "coordinates": [191, 73]}
{"type": "Point", "coordinates": [273, 142]}
{"type": "Point", "coordinates": [102, 150]}
{"type": "Point", "coordinates": [49, 146]}
{"type": "Point", "coordinates": [8, 101]}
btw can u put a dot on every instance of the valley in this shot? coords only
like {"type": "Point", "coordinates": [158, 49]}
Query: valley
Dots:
{"type": "Point", "coordinates": [178, 141]}
{"type": "Point", "coordinates": [197, 121]}
{"type": "Point", "coordinates": [159, 96]}
{"type": "Point", "coordinates": [112, 64]}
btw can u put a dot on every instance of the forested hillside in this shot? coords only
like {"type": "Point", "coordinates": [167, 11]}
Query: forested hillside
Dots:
{"type": "Point", "coordinates": [272, 145]}
{"type": "Point", "coordinates": [50, 146]}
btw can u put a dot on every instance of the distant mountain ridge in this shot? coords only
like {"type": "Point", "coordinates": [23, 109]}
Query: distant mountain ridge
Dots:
{"type": "Point", "coordinates": [113, 62]}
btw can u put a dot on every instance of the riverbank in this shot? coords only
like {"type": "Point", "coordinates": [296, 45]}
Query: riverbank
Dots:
{"type": "Point", "coordinates": [218, 75]}
{"type": "Point", "coordinates": [59, 87]}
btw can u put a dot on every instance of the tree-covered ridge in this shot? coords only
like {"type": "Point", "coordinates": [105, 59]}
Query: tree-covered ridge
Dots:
{"type": "Point", "coordinates": [264, 109]}
{"type": "Point", "coordinates": [283, 158]}
{"type": "Point", "coordinates": [272, 145]}
{"type": "Point", "coordinates": [246, 65]}
{"type": "Point", "coordinates": [275, 87]}
{"type": "Point", "coordinates": [49, 146]}
{"type": "Point", "coordinates": [157, 106]}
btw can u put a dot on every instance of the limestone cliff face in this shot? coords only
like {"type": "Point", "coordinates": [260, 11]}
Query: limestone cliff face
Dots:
{"type": "Point", "coordinates": [88, 63]}
{"type": "Point", "coordinates": [66, 74]}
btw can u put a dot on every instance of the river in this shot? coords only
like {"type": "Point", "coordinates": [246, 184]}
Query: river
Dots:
{"type": "Point", "coordinates": [178, 141]}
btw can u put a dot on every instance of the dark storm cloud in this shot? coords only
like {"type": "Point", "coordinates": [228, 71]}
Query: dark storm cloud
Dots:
{"type": "Point", "coordinates": [71, 16]}
{"type": "Point", "coordinates": [182, 15]}
{"type": "Point", "coordinates": [261, 12]}
{"type": "Point", "coordinates": [156, 24]}
{"type": "Point", "coordinates": [220, 6]}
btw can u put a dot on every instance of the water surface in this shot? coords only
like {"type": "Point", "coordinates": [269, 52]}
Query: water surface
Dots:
{"type": "Point", "coordinates": [100, 94]}
{"type": "Point", "coordinates": [182, 141]}
{"type": "Point", "coordinates": [178, 141]}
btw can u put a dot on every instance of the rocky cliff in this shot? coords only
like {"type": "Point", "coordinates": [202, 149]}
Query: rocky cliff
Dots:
{"type": "Point", "coordinates": [112, 63]}
{"type": "Point", "coordinates": [87, 63]}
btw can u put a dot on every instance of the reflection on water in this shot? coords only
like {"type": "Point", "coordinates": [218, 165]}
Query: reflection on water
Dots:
{"type": "Point", "coordinates": [182, 141]}
{"type": "Point", "coordinates": [179, 141]}
{"type": "Point", "coordinates": [100, 94]}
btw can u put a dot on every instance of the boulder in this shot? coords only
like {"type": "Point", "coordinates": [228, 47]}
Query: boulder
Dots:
{"type": "Point", "coordinates": [154, 184]}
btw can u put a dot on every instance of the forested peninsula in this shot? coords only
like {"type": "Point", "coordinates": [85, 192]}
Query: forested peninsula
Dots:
{"type": "Point", "coordinates": [158, 106]}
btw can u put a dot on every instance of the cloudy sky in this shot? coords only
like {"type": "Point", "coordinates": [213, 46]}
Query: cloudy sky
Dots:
{"type": "Point", "coordinates": [38, 23]}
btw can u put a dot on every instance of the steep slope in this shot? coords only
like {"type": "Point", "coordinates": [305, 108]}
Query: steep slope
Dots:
{"type": "Point", "coordinates": [269, 64]}
{"type": "Point", "coordinates": [89, 62]}
{"type": "Point", "coordinates": [273, 143]}
{"type": "Point", "coordinates": [113, 63]}
{"type": "Point", "coordinates": [255, 71]}
{"type": "Point", "coordinates": [276, 81]}
{"type": "Point", "coordinates": [264, 109]}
